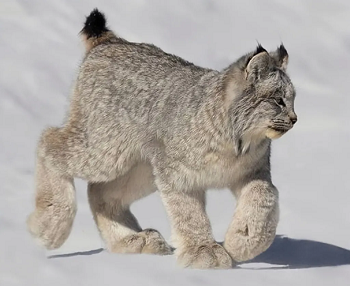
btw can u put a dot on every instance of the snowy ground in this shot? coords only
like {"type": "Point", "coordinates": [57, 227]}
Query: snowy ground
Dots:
{"type": "Point", "coordinates": [39, 55]}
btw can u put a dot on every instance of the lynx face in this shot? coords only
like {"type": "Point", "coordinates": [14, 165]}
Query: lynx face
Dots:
{"type": "Point", "coordinates": [275, 111]}
{"type": "Point", "coordinates": [266, 107]}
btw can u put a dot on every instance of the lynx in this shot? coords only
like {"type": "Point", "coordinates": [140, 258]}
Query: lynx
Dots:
{"type": "Point", "coordinates": [142, 120]}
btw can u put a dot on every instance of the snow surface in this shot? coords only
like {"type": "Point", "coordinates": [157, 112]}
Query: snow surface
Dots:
{"type": "Point", "coordinates": [40, 52]}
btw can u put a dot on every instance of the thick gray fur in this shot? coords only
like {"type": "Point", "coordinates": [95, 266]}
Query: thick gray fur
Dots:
{"type": "Point", "coordinates": [142, 120]}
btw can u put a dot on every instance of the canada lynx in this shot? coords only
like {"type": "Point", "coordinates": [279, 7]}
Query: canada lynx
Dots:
{"type": "Point", "coordinates": [142, 120]}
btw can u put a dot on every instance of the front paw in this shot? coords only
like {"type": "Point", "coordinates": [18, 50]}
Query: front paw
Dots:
{"type": "Point", "coordinates": [243, 247]}
{"type": "Point", "coordinates": [205, 256]}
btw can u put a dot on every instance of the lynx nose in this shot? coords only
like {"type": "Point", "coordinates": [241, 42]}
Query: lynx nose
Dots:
{"type": "Point", "coordinates": [293, 118]}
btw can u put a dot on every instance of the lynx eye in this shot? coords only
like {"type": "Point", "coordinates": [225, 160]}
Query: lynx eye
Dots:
{"type": "Point", "coordinates": [280, 101]}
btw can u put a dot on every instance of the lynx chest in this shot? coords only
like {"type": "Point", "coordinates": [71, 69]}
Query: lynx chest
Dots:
{"type": "Point", "coordinates": [225, 170]}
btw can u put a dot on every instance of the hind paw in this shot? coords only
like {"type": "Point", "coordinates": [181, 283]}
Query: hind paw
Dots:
{"type": "Point", "coordinates": [148, 241]}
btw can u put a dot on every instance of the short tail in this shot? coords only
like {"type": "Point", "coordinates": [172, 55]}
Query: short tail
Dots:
{"type": "Point", "coordinates": [95, 31]}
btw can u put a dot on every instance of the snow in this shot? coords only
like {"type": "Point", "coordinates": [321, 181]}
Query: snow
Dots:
{"type": "Point", "coordinates": [40, 52]}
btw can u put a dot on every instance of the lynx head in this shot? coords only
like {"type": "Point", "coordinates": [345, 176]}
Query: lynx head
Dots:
{"type": "Point", "coordinates": [260, 95]}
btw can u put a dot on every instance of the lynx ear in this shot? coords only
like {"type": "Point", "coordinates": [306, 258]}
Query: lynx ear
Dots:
{"type": "Point", "coordinates": [281, 57]}
{"type": "Point", "coordinates": [258, 65]}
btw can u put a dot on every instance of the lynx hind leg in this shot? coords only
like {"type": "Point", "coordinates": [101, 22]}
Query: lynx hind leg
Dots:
{"type": "Point", "coordinates": [254, 223]}
{"type": "Point", "coordinates": [55, 206]}
{"type": "Point", "coordinates": [110, 202]}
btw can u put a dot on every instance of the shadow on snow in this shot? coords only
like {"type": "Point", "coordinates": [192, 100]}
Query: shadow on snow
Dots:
{"type": "Point", "coordinates": [82, 253]}
{"type": "Point", "coordinates": [295, 254]}
{"type": "Point", "coordinates": [291, 253]}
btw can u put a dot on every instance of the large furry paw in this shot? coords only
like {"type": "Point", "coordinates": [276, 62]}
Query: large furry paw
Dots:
{"type": "Point", "coordinates": [204, 256]}
{"type": "Point", "coordinates": [243, 247]}
{"type": "Point", "coordinates": [51, 227]}
{"type": "Point", "coordinates": [147, 241]}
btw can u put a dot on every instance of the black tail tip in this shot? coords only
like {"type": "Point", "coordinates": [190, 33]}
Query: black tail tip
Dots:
{"type": "Point", "coordinates": [95, 24]}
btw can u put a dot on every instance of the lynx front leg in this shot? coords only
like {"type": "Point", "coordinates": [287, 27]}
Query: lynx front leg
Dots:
{"type": "Point", "coordinates": [254, 223]}
{"type": "Point", "coordinates": [119, 228]}
{"type": "Point", "coordinates": [192, 233]}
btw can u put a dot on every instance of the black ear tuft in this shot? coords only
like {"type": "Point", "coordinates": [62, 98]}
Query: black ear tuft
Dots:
{"type": "Point", "coordinates": [280, 57]}
{"type": "Point", "coordinates": [95, 24]}
{"type": "Point", "coordinates": [282, 52]}
{"type": "Point", "coordinates": [259, 49]}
